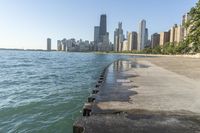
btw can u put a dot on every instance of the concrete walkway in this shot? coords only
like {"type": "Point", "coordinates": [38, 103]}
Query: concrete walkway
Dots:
{"type": "Point", "coordinates": [147, 95]}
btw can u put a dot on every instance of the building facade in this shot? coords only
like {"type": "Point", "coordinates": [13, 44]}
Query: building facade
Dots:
{"type": "Point", "coordinates": [96, 37]}
{"type": "Point", "coordinates": [164, 38]}
{"type": "Point", "coordinates": [146, 43]}
{"type": "Point", "coordinates": [103, 27]}
{"type": "Point", "coordinates": [48, 44]}
{"type": "Point", "coordinates": [125, 46]}
{"type": "Point", "coordinates": [132, 41]}
{"type": "Point", "coordinates": [155, 40]}
{"type": "Point", "coordinates": [59, 45]}
{"type": "Point", "coordinates": [141, 35]}
{"type": "Point", "coordinates": [118, 38]}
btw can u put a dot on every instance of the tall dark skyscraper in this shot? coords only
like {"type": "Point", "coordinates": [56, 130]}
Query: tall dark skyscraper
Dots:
{"type": "Point", "coordinates": [103, 27]}
{"type": "Point", "coordinates": [48, 44]}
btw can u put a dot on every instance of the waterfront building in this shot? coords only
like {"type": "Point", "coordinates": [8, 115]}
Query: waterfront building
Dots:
{"type": "Point", "coordinates": [96, 37]}
{"type": "Point", "coordinates": [146, 44]}
{"type": "Point", "coordinates": [101, 36]}
{"type": "Point", "coordinates": [103, 27]}
{"type": "Point", "coordinates": [173, 33]}
{"type": "Point", "coordinates": [179, 34]}
{"type": "Point", "coordinates": [155, 40]}
{"type": "Point", "coordinates": [185, 18]}
{"type": "Point", "coordinates": [118, 38]}
{"type": "Point", "coordinates": [125, 46]}
{"type": "Point", "coordinates": [164, 38]}
{"type": "Point", "coordinates": [48, 44]}
{"type": "Point", "coordinates": [141, 35]}
{"type": "Point", "coordinates": [59, 45]}
{"type": "Point", "coordinates": [132, 41]}
{"type": "Point", "coordinates": [105, 46]}
{"type": "Point", "coordinates": [64, 44]}
{"type": "Point", "coordinates": [83, 46]}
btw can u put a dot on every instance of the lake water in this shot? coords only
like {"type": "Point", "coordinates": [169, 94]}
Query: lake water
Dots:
{"type": "Point", "coordinates": [45, 91]}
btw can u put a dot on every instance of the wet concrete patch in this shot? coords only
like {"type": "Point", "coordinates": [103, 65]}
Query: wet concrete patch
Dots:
{"type": "Point", "coordinates": [137, 65]}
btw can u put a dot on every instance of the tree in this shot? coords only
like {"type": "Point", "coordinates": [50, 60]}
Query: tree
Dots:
{"type": "Point", "coordinates": [156, 50]}
{"type": "Point", "coordinates": [193, 25]}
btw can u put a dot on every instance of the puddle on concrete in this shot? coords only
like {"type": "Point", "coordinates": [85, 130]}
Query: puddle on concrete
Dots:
{"type": "Point", "coordinates": [124, 65]}
{"type": "Point", "coordinates": [136, 65]}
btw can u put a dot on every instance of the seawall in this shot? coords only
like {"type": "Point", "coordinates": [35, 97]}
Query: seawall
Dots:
{"type": "Point", "coordinates": [144, 95]}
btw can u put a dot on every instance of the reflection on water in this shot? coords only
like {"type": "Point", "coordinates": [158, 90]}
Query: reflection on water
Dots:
{"type": "Point", "coordinates": [124, 65]}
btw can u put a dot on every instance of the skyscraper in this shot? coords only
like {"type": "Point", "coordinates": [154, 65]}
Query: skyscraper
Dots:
{"type": "Point", "coordinates": [96, 37]}
{"type": "Point", "coordinates": [48, 44]}
{"type": "Point", "coordinates": [179, 33]}
{"type": "Point", "coordinates": [118, 38]}
{"type": "Point", "coordinates": [155, 40]}
{"type": "Point", "coordinates": [59, 45]}
{"type": "Point", "coordinates": [185, 19]}
{"type": "Point", "coordinates": [101, 36]}
{"type": "Point", "coordinates": [172, 33]}
{"type": "Point", "coordinates": [132, 41]}
{"type": "Point", "coordinates": [103, 27]}
{"type": "Point", "coordinates": [125, 46]}
{"type": "Point", "coordinates": [146, 37]}
{"type": "Point", "coordinates": [164, 38]}
{"type": "Point", "coordinates": [141, 35]}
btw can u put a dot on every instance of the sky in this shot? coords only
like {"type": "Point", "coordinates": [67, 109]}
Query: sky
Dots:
{"type": "Point", "coordinates": [27, 24]}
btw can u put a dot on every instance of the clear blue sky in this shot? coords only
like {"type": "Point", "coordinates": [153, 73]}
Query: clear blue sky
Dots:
{"type": "Point", "coordinates": [27, 23]}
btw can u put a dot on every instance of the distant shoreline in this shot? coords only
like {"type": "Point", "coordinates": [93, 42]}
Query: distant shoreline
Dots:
{"type": "Point", "coordinates": [128, 54]}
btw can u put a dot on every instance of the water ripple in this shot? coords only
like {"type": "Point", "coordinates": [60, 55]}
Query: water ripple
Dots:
{"type": "Point", "coordinates": [45, 91]}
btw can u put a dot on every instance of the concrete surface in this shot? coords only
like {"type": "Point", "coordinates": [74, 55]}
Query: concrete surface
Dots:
{"type": "Point", "coordinates": [151, 95]}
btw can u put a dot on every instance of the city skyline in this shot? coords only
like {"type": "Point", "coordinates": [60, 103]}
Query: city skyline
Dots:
{"type": "Point", "coordinates": [27, 24]}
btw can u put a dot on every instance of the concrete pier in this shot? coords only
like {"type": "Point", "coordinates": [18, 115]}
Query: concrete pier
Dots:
{"type": "Point", "coordinates": [145, 95]}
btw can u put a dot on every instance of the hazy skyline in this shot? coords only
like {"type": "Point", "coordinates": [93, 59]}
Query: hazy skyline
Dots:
{"type": "Point", "coordinates": [28, 23]}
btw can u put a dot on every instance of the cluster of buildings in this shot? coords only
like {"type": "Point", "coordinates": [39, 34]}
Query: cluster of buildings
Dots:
{"type": "Point", "coordinates": [175, 35]}
{"type": "Point", "coordinates": [101, 36]}
{"type": "Point", "coordinates": [132, 41]}
{"type": "Point", "coordinates": [101, 41]}
{"type": "Point", "coordinates": [140, 40]}
{"type": "Point", "coordinates": [72, 45]}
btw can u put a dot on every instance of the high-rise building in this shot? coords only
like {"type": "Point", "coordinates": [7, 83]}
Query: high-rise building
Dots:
{"type": "Point", "coordinates": [164, 38]}
{"type": "Point", "coordinates": [101, 36]}
{"type": "Point", "coordinates": [132, 41]}
{"type": "Point", "coordinates": [185, 19]}
{"type": "Point", "coordinates": [64, 44]}
{"type": "Point", "coordinates": [141, 35]}
{"type": "Point", "coordinates": [179, 34]}
{"type": "Point", "coordinates": [105, 44]}
{"type": "Point", "coordinates": [48, 44]}
{"type": "Point", "coordinates": [146, 37]}
{"type": "Point", "coordinates": [96, 33]}
{"type": "Point", "coordinates": [96, 37]}
{"type": "Point", "coordinates": [118, 38]}
{"type": "Point", "coordinates": [125, 46]}
{"type": "Point", "coordinates": [155, 40]}
{"type": "Point", "coordinates": [173, 33]}
{"type": "Point", "coordinates": [103, 27]}
{"type": "Point", "coordinates": [59, 45]}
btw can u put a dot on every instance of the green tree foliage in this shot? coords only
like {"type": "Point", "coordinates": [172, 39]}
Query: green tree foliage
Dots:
{"type": "Point", "coordinates": [194, 28]}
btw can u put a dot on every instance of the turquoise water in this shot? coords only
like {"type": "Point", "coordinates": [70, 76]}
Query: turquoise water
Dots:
{"type": "Point", "coordinates": [44, 92]}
